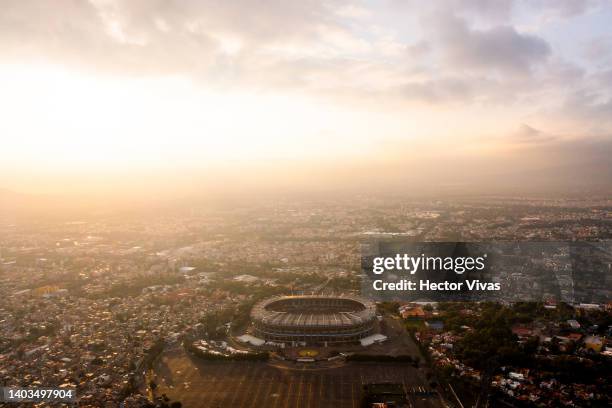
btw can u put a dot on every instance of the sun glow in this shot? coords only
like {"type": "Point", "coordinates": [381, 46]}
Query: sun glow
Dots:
{"type": "Point", "coordinates": [60, 118]}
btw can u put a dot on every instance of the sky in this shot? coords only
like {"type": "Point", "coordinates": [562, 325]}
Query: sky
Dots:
{"type": "Point", "coordinates": [107, 95]}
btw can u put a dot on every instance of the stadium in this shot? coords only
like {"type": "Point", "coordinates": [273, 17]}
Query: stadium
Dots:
{"type": "Point", "coordinates": [314, 319]}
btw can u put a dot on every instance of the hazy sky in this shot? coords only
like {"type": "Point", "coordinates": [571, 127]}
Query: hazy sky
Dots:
{"type": "Point", "coordinates": [103, 92]}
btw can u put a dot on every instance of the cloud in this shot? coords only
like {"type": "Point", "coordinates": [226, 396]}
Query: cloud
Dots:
{"type": "Point", "coordinates": [167, 37]}
{"type": "Point", "coordinates": [563, 8]}
{"type": "Point", "coordinates": [444, 90]}
{"type": "Point", "coordinates": [599, 48]}
{"type": "Point", "coordinates": [210, 40]}
{"type": "Point", "coordinates": [486, 10]}
{"type": "Point", "coordinates": [496, 9]}
{"type": "Point", "coordinates": [527, 135]}
{"type": "Point", "coordinates": [500, 49]}
{"type": "Point", "coordinates": [473, 52]}
{"type": "Point", "coordinates": [590, 108]}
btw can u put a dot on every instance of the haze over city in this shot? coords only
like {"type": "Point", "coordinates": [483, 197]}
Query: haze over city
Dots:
{"type": "Point", "coordinates": [195, 97]}
{"type": "Point", "coordinates": [306, 203]}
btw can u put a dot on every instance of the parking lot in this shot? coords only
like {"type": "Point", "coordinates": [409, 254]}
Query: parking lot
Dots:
{"type": "Point", "coordinates": [199, 383]}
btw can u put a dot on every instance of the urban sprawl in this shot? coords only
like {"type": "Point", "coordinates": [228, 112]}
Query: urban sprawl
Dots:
{"type": "Point", "coordinates": [94, 303]}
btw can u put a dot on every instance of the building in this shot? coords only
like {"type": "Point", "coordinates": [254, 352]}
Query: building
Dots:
{"type": "Point", "coordinates": [315, 320]}
{"type": "Point", "coordinates": [434, 325]}
{"type": "Point", "coordinates": [410, 312]}
{"type": "Point", "coordinates": [594, 343]}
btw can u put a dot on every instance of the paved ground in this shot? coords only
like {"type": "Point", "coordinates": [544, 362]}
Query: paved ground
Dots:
{"type": "Point", "coordinates": [198, 383]}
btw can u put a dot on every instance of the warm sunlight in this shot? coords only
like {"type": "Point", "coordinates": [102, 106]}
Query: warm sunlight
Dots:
{"type": "Point", "coordinates": [128, 88]}
{"type": "Point", "coordinates": [305, 203]}
{"type": "Point", "coordinates": [109, 121]}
